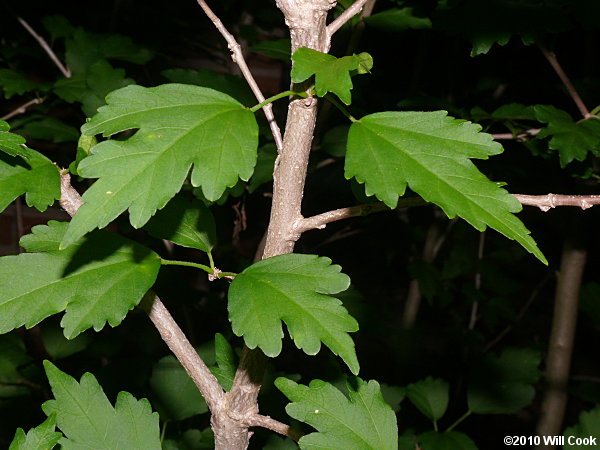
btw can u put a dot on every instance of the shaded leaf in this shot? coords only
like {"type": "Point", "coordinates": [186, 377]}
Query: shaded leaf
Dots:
{"type": "Point", "coordinates": [227, 362]}
{"type": "Point", "coordinates": [17, 83]}
{"type": "Point", "coordinates": [88, 420]}
{"type": "Point", "coordinates": [180, 126]}
{"type": "Point", "coordinates": [42, 437]}
{"type": "Point", "coordinates": [292, 288]}
{"type": "Point", "coordinates": [331, 74]}
{"type": "Point", "coordinates": [587, 427]}
{"type": "Point", "coordinates": [430, 396]}
{"type": "Point", "coordinates": [398, 19]}
{"type": "Point", "coordinates": [95, 281]}
{"type": "Point", "coordinates": [175, 395]}
{"type": "Point", "coordinates": [572, 140]}
{"type": "Point", "coordinates": [514, 111]}
{"type": "Point", "coordinates": [50, 129]}
{"type": "Point", "coordinates": [450, 440]}
{"type": "Point", "coordinates": [430, 152]}
{"type": "Point", "coordinates": [263, 172]}
{"type": "Point", "coordinates": [186, 222]}
{"type": "Point", "coordinates": [280, 49]}
{"type": "Point", "coordinates": [58, 346]}
{"type": "Point", "coordinates": [361, 420]}
{"type": "Point", "coordinates": [504, 384]}
{"type": "Point", "coordinates": [58, 26]}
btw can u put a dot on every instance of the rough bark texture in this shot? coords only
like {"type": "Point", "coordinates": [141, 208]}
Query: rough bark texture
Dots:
{"type": "Point", "coordinates": [307, 22]}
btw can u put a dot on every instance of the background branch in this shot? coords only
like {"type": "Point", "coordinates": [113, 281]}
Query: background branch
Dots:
{"type": "Point", "coordinates": [238, 58]}
{"type": "Point", "coordinates": [21, 109]}
{"type": "Point", "coordinates": [66, 72]}
{"type": "Point", "coordinates": [520, 137]}
{"type": "Point", "coordinates": [348, 14]}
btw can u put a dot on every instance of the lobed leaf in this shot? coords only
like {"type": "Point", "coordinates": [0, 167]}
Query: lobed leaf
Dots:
{"type": "Point", "coordinates": [179, 127]}
{"type": "Point", "coordinates": [429, 152]}
{"type": "Point", "coordinates": [42, 437]}
{"type": "Point", "coordinates": [362, 420]}
{"type": "Point", "coordinates": [88, 420]}
{"type": "Point", "coordinates": [292, 288]}
{"type": "Point", "coordinates": [97, 280]}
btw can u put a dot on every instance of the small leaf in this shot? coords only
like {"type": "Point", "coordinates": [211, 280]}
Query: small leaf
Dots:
{"type": "Point", "coordinates": [176, 397]}
{"type": "Point", "coordinates": [450, 440]}
{"type": "Point", "coordinates": [58, 26]}
{"type": "Point", "coordinates": [11, 143]}
{"type": "Point", "coordinates": [514, 111]}
{"type": "Point", "coordinates": [398, 19]}
{"type": "Point", "coordinates": [278, 49]}
{"type": "Point", "coordinates": [430, 396]}
{"type": "Point", "coordinates": [572, 140]}
{"type": "Point", "coordinates": [32, 174]}
{"type": "Point", "coordinates": [587, 428]}
{"type": "Point", "coordinates": [429, 152]}
{"type": "Point", "coordinates": [292, 288]}
{"type": "Point", "coordinates": [88, 420]}
{"type": "Point", "coordinates": [95, 281]}
{"type": "Point", "coordinates": [504, 384]}
{"type": "Point", "coordinates": [50, 129]}
{"type": "Point", "coordinates": [180, 126]}
{"type": "Point", "coordinates": [227, 362]}
{"type": "Point", "coordinates": [42, 437]}
{"type": "Point", "coordinates": [185, 222]}
{"type": "Point", "coordinates": [16, 83]}
{"type": "Point", "coordinates": [361, 421]}
{"type": "Point", "coordinates": [331, 74]}
{"type": "Point", "coordinates": [59, 347]}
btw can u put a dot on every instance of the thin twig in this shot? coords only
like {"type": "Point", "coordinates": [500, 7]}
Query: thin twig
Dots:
{"type": "Point", "coordinates": [548, 201]}
{"type": "Point", "coordinates": [66, 72]}
{"type": "Point", "coordinates": [551, 57]}
{"type": "Point", "coordinates": [21, 109]}
{"type": "Point", "coordinates": [338, 23]}
{"type": "Point", "coordinates": [238, 58]}
{"type": "Point", "coordinates": [519, 137]}
{"type": "Point", "coordinates": [163, 321]}
{"type": "Point", "coordinates": [267, 422]}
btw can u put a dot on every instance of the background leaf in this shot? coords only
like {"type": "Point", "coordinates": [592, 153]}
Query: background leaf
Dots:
{"type": "Point", "coordinates": [588, 427]}
{"type": "Point", "coordinates": [430, 152]}
{"type": "Point", "coordinates": [430, 396]}
{"type": "Point", "coordinates": [292, 288]}
{"type": "Point", "coordinates": [504, 384]}
{"type": "Point", "coordinates": [363, 420]}
{"type": "Point", "coordinates": [180, 126]}
{"type": "Point", "coordinates": [450, 440]}
{"type": "Point", "coordinates": [88, 420]}
{"type": "Point", "coordinates": [397, 19]}
{"type": "Point", "coordinates": [95, 281]}
{"type": "Point", "coordinates": [42, 437]}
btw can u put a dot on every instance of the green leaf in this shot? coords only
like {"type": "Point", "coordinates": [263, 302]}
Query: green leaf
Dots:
{"type": "Point", "coordinates": [504, 384]}
{"type": "Point", "coordinates": [292, 288]}
{"type": "Point", "coordinates": [180, 126]}
{"type": "Point", "coordinates": [227, 362]}
{"type": "Point", "coordinates": [334, 141]}
{"type": "Point", "coordinates": [263, 172]}
{"type": "Point", "coordinates": [429, 152]}
{"type": "Point", "coordinates": [71, 89]}
{"type": "Point", "coordinates": [97, 280]}
{"type": "Point", "coordinates": [430, 396]}
{"type": "Point", "coordinates": [572, 140]}
{"type": "Point", "coordinates": [279, 443]}
{"type": "Point", "coordinates": [450, 440]}
{"type": "Point", "coordinates": [58, 26]}
{"type": "Point", "coordinates": [50, 129]}
{"type": "Point", "coordinates": [278, 49]}
{"type": "Point", "coordinates": [11, 143]}
{"type": "Point", "coordinates": [514, 111]}
{"type": "Point", "coordinates": [12, 356]}
{"type": "Point", "coordinates": [59, 347]}
{"type": "Point", "coordinates": [588, 427]}
{"type": "Point", "coordinates": [331, 74]}
{"type": "Point", "coordinates": [16, 83]}
{"type": "Point", "coordinates": [176, 397]}
{"type": "Point", "coordinates": [42, 437]}
{"type": "Point", "coordinates": [84, 146]}
{"type": "Point", "coordinates": [231, 85]}
{"type": "Point", "coordinates": [186, 222]}
{"type": "Point", "coordinates": [101, 78]}
{"type": "Point", "coordinates": [36, 177]}
{"type": "Point", "coordinates": [398, 19]}
{"type": "Point", "coordinates": [363, 420]}
{"type": "Point", "coordinates": [88, 420]}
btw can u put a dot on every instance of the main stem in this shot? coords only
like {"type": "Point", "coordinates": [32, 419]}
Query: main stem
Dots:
{"type": "Point", "coordinates": [307, 22]}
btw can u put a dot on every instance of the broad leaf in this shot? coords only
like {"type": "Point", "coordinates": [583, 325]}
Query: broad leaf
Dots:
{"type": "Point", "coordinates": [429, 152]}
{"type": "Point", "coordinates": [331, 74]}
{"type": "Point", "coordinates": [185, 222]}
{"type": "Point", "coordinates": [16, 83]}
{"type": "Point", "coordinates": [42, 437]}
{"type": "Point", "coordinates": [32, 174]}
{"type": "Point", "coordinates": [363, 420]}
{"type": "Point", "coordinates": [588, 427]}
{"type": "Point", "coordinates": [430, 396]}
{"type": "Point", "coordinates": [398, 19]}
{"type": "Point", "coordinates": [292, 288]}
{"type": "Point", "coordinates": [50, 129]}
{"type": "Point", "coordinates": [11, 143]}
{"type": "Point", "coordinates": [88, 420]}
{"type": "Point", "coordinates": [504, 384]}
{"type": "Point", "coordinates": [450, 440]}
{"type": "Point", "coordinates": [227, 362]}
{"type": "Point", "coordinates": [572, 140]}
{"type": "Point", "coordinates": [514, 111]}
{"type": "Point", "coordinates": [180, 126]}
{"type": "Point", "coordinates": [95, 281]}
{"type": "Point", "coordinates": [175, 395]}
